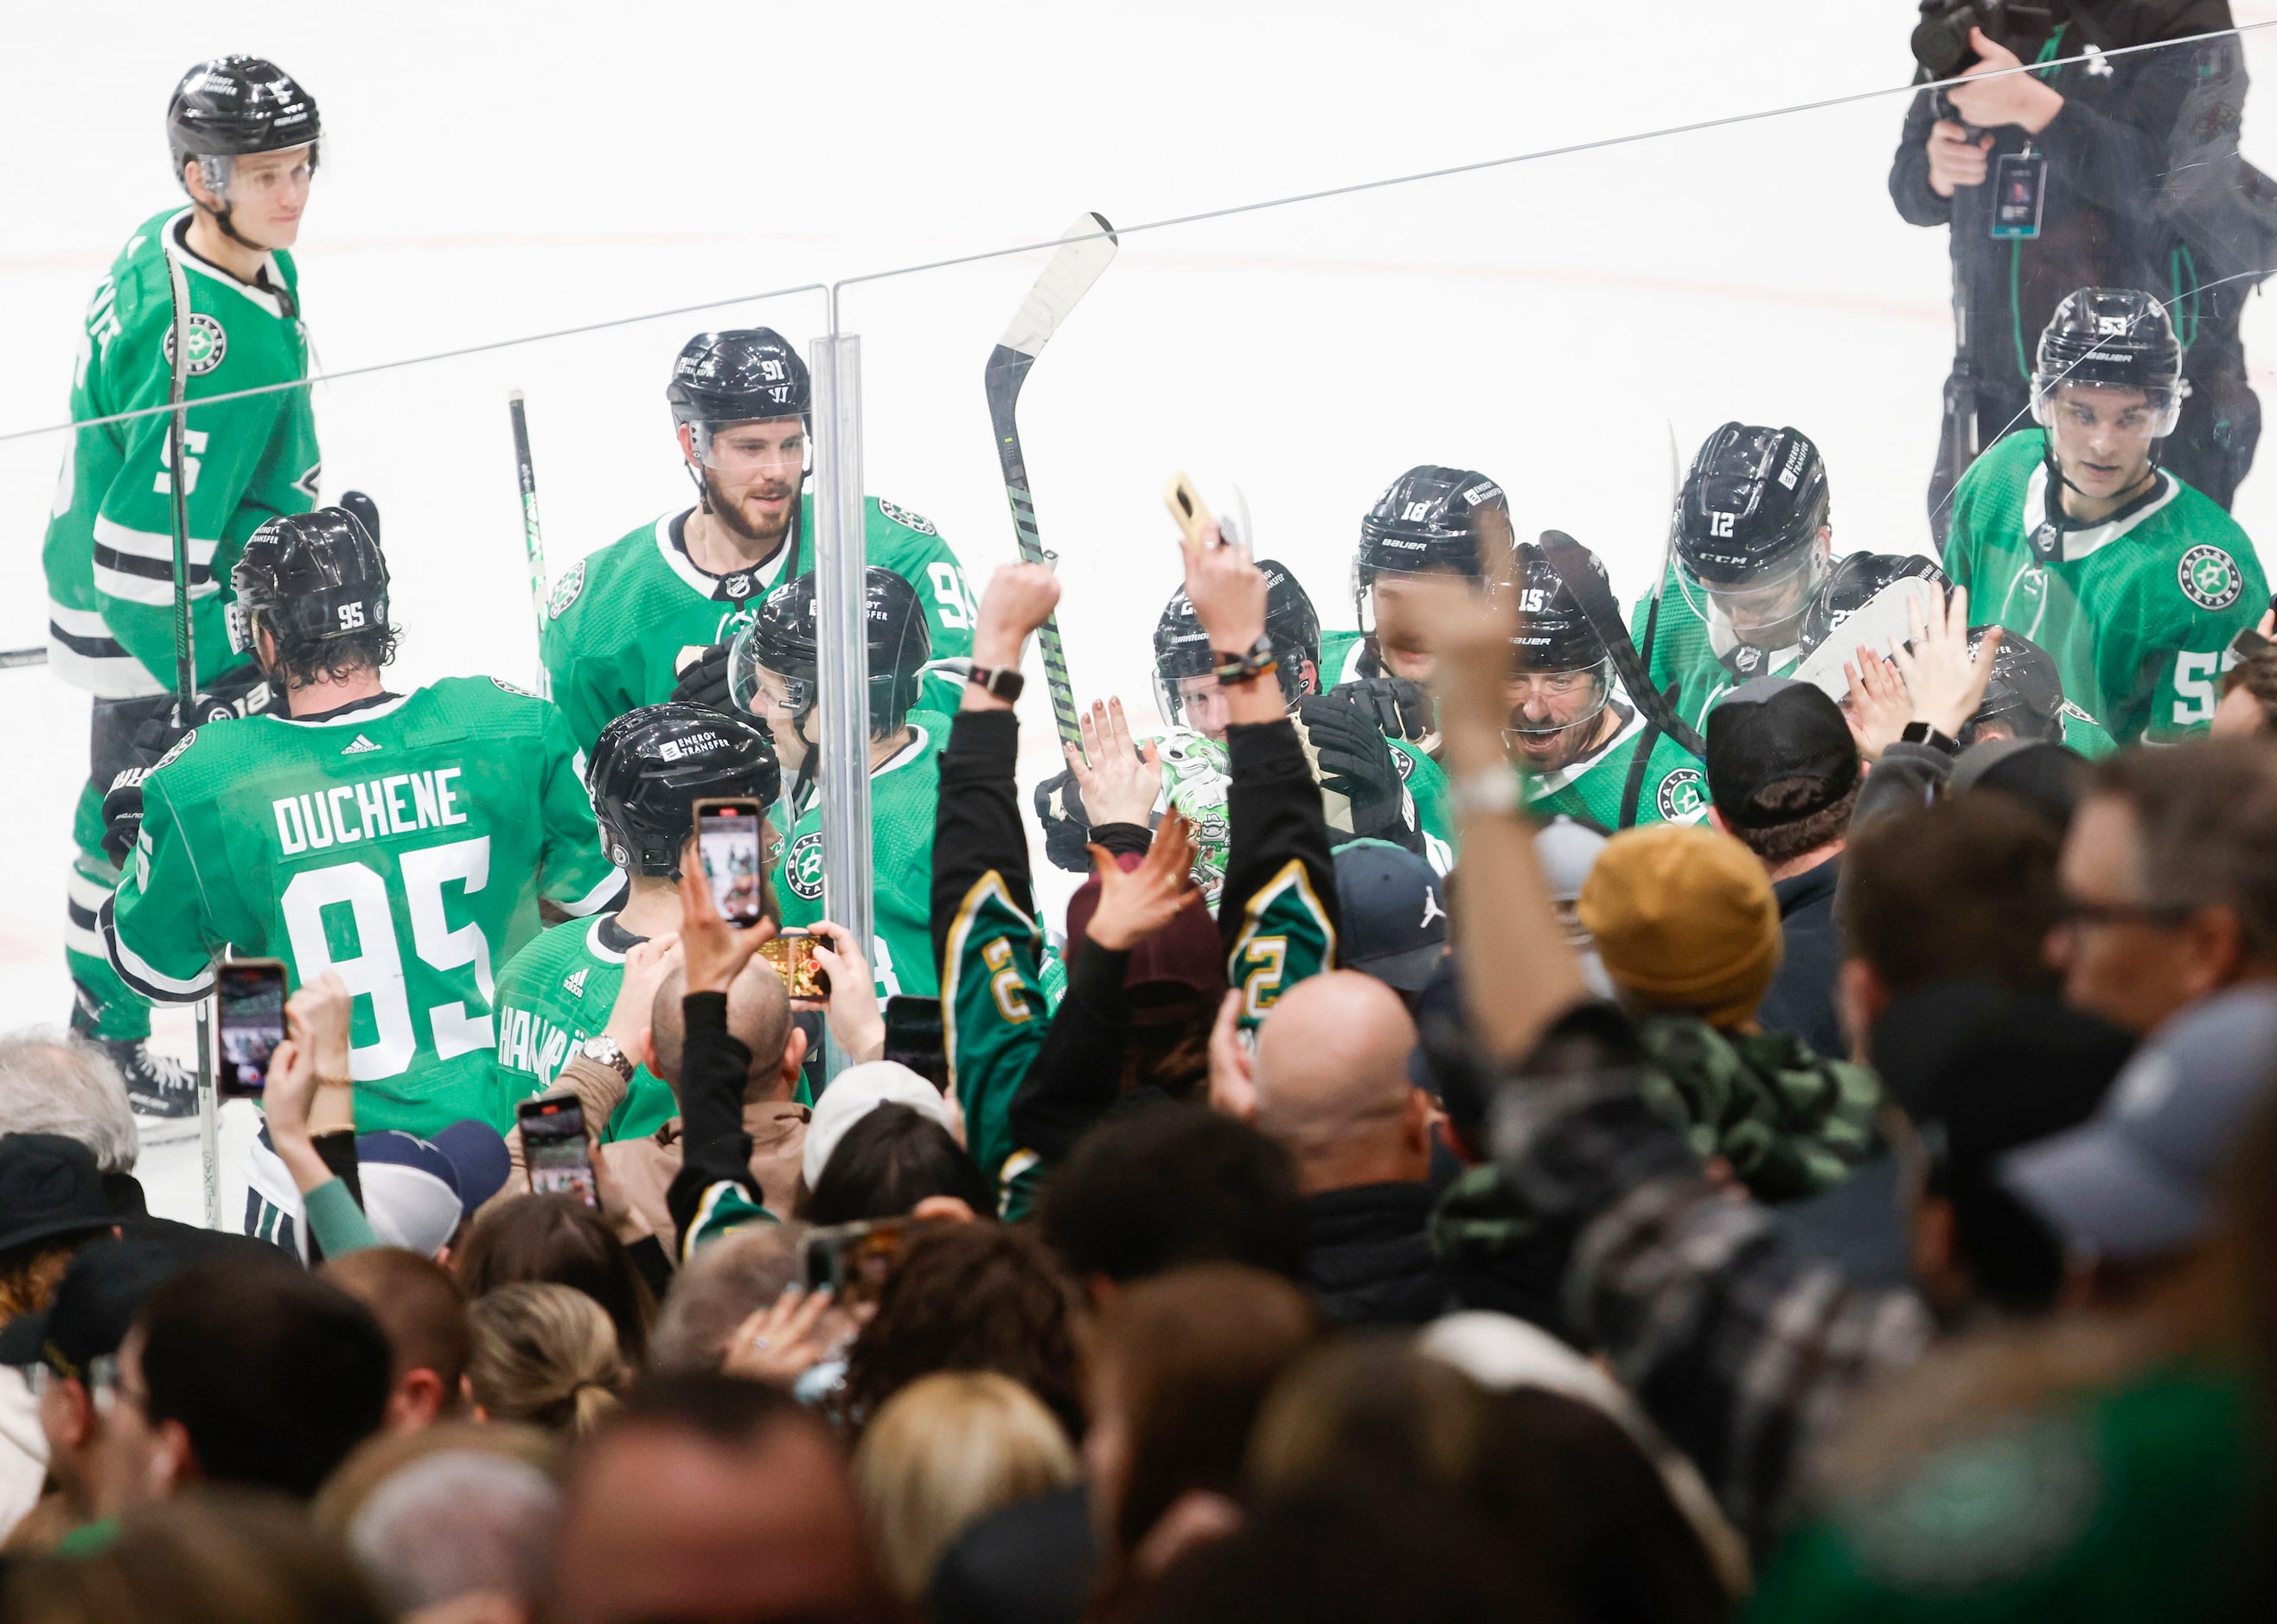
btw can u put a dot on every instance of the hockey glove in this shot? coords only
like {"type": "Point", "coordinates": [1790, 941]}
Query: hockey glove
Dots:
{"type": "Point", "coordinates": [704, 681]}
{"type": "Point", "coordinates": [363, 510]}
{"type": "Point", "coordinates": [1067, 827]}
{"type": "Point", "coordinates": [1400, 709]}
{"type": "Point", "coordinates": [1355, 765]}
{"type": "Point", "coordinates": [240, 691]}
{"type": "Point", "coordinates": [122, 816]}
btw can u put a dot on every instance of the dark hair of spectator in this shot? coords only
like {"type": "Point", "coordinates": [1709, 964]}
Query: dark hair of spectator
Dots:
{"type": "Point", "coordinates": [1192, 1356]}
{"type": "Point", "coordinates": [1965, 887]}
{"type": "Point", "coordinates": [275, 1374]}
{"type": "Point", "coordinates": [2204, 809]}
{"type": "Point", "coordinates": [887, 1163]}
{"type": "Point", "coordinates": [1169, 1057]}
{"type": "Point", "coordinates": [417, 1304]}
{"type": "Point", "coordinates": [970, 1297]}
{"type": "Point", "coordinates": [721, 1409]}
{"type": "Point", "coordinates": [217, 1555]}
{"type": "Point", "coordinates": [1779, 843]}
{"type": "Point", "coordinates": [557, 1237]}
{"type": "Point", "coordinates": [2257, 673]}
{"type": "Point", "coordinates": [1173, 1185]}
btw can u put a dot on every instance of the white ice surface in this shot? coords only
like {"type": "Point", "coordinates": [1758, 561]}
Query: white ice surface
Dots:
{"type": "Point", "coordinates": [500, 169]}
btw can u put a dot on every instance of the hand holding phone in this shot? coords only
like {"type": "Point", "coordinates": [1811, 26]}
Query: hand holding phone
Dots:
{"type": "Point", "coordinates": [792, 953]}
{"type": "Point", "coordinates": [853, 1259]}
{"type": "Point", "coordinates": [1186, 506]}
{"type": "Point", "coordinates": [554, 1149]}
{"type": "Point", "coordinates": [728, 842]}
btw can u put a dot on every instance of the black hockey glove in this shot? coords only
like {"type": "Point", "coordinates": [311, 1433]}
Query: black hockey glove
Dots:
{"type": "Point", "coordinates": [1352, 761]}
{"type": "Point", "coordinates": [1067, 827]}
{"type": "Point", "coordinates": [362, 509]}
{"type": "Point", "coordinates": [704, 681]}
{"type": "Point", "coordinates": [1399, 709]}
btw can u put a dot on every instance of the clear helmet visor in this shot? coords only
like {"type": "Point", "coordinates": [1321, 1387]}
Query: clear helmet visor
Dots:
{"type": "Point", "coordinates": [772, 696]}
{"type": "Point", "coordinates": [754, 448]}
{"type": "Point", "coordinates": [1377, 601]}
{"type": "Point", "coordinates": [1196, 702]}
{"type": "Point", "coordinates": [1765, 609]}
{"type": "Point", "coordinates": [2101, 424]}
{"type": "Point", "coordinates": [1548, 708]}
{"type": "Point", "coordinates": [260, 178]}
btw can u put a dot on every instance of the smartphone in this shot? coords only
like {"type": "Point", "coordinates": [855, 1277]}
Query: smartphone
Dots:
{"type": "Point", "coordinates": [1186, 506]}
{"type": "Point", "coordinates": [554, 1149]}
{"type": "Point", "coordinates": [853, 1259]}
{"type": "Point", "coordinates": [792, 954]}
{"type": "Point", "coordinates": [914, 1038]}
{"type": "Point", "coordinates": [251, 1020]}
{"type": "Point", "coordinates": [727, 839]}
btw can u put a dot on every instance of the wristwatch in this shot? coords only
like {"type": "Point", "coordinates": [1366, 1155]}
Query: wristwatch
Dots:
{"type": "Point", "coordinates": [1234, 669]}
{"type": "Point", "coordinates": [603, 1049]}
{"type": "Point", "coordinates": [1004, 682]}
{"type": "Point", "coordinates": [1926, 733]}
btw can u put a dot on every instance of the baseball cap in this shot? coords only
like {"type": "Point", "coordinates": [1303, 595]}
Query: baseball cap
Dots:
{"type": "Point", "coordinates": [1567, 850]}
{"type": "Point", "coordinates": [2048, 778]}
{"type": "Point", "coordinates": [410, 1191]}
{"type": "Point", "coordinates": [2137, 1180]}
{"type": "Point", "coordinates": [1685, 918]}
{"type": "Point", "coordinates": [49, 1187]}
{"type": "Point", "coordinates": [105, 1287]}
{"type": "Point", "coordinates": [1394, 914]}
{"type": "Point", "coordinates": [853, 1094]}
{"type": "Point", "coordinates": [1767, 731]}
{"type": "Point", "coordinates": [1171, 971]}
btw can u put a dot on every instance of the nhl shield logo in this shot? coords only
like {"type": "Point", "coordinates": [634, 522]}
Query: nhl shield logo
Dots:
{"type": "Point", "coordinates": [1682, 794]}
{"type": "Point", "coordinates": [737, 586]}
{"type": "Point", "coordinates": [803, 870]}
{"type": "Point", "coordinates": [2209, 577]}
{"type": "Point", "coordinates": [208, 344]}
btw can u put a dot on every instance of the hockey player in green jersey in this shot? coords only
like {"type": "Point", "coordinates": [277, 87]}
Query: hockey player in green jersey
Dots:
{"type": "Point", "coordinates": [2071, 534]}
{"type": "Point", "coordinates": [1426, 521]}
{"type": "Point", "coordinates": [650, 617]}
{"type": "Point", "coordinates": [206, 296]}
{"type": "Point", "coordinates": [771, 678]}
{"type": "Point", "coordinates": [1573, 733]}
{"type": "Point", "coordinates": [648, 770]}
{"type": "Point", "coordinates": [400, 840]}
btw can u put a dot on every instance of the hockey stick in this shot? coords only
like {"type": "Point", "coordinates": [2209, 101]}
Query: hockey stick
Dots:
{"type": "Point", "coordinates": [1640, 761]}
{"type": "Point", "coordinates": [185, 694]}
{"type": "Point", "coordinates": [1570, 560]}
{"type": "Point", "coordinates": [23, 657]}
{"type": "Point", "coordinates": [1066, 279]}
{"type": "Point", "coordinates": [533, 538]}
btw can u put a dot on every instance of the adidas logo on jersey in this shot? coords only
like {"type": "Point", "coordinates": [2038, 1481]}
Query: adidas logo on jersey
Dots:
{"type": "Point", "coordinates": [358, 745]}
{"type": "Point", "coordinates": [574, 984]}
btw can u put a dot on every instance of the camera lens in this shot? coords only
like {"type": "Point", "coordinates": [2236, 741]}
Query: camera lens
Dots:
{"type": "Point", "coordinates": [1937, 48]}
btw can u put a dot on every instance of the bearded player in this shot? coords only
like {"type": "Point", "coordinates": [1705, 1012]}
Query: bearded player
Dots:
{"type": "Point", "coordinates": [400, 840]}
{"type": "Point", "coordinates": [649, 617]}
{"type": "Point", "coordinates": [244, 139]}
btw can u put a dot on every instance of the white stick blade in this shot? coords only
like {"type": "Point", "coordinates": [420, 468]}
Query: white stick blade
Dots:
{"type": "Point", "coordinates": [1873, 623]}
{"type": "Point", "coordinates": [1066, 279]}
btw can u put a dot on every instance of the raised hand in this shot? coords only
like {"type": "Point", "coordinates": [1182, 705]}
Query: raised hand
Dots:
{"type": "Point", "coordinates": [1946, 684]}
{"type": "Point", "coordinates": [1118, 779]}
{"type": "Point", "coordinates": [1134, 905]}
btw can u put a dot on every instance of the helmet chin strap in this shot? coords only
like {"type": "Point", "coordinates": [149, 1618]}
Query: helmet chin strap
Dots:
{"type": "Point", "coordinates": [2055, 472]}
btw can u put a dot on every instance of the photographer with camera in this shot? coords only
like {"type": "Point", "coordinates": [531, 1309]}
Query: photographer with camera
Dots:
{"type": "Point", "coordinates": [2058, 177]}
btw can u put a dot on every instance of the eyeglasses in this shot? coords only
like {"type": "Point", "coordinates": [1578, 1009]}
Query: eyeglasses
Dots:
{"type": "Point", "coordinates": [2078, 912]}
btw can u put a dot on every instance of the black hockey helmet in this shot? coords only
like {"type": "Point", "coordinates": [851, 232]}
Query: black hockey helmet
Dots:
{"type": "Point", "coordinates": [308, 578]}
{"type": "Point", "coordinates": [781, 637]}
{"type": "Point", "coordinates": [233, 107]}
{"type": "Point", "coordinates": [743, 374]}
{"type": "Point", "coordinates": [649, 767]}
{"type": "Point", "coordinates": [2025, 692]}
{"type": "Point", "coordinates": [1752, 506]}
{"type": "Point", "coordinates": [1852, 586]}
{"type": "Point", "coordinates": [1181, 648]}
{"type": "Point", "coordinates": [2112, 338]}
{"type": "Point", "coordinates": [1427, 519]}
{"type": "Point", "coordinates": [1554, 640]}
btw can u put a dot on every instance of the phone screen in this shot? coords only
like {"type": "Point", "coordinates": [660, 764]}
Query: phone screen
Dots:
{"type": "Point", "coordinates": [914, 1038]}
{"type": "Point", "coordinates": [854, 1258]}
{"type": "Point", "coordinates": [727, 840]}
{"type": "Point", "coordinates": [554, 1149]}
{"type": "Point", "coordinates": [792, 954]}
{"type": "Point", "coordinates": [250, 992]}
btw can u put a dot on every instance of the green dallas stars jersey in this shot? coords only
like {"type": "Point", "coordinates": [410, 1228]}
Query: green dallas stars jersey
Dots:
{"type": "Point", "coordinates": [617, 620]}
{"type": "Point", "coordinates": [403, 845]}
{"type": "Point", "coordinates": [902, 794]}
{"type": "Point", "coordinates": [2138, 611]}
{"type": "Point", "coordinates": [110, 547]}
{"type": "Point", "coordinates": [1675, 788]}
{"type": "Point", "coordinates": [994, 1015]}
{"type": "Point", "coordinates": [1684, 652]}
{"type": "Point", "coordinates": [551, 996]}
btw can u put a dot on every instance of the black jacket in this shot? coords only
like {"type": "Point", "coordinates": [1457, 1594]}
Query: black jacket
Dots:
{"type": "Point", "coordinates": [1370, 1261]}
{"type": "Point", "coordinates": [1801, 1002]}
{"type": "Point", "coordinates": [2100, 225]}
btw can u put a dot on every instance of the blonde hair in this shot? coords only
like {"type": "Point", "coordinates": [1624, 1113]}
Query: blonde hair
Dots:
{"type": "Point", "coordinates": [544, 1353]}
{"type": "Point", "coordinates": [944, 1452]}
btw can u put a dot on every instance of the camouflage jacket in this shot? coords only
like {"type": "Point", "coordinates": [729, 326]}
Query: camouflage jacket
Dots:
{"type": "Point", "coordinates": [1790, 1121]}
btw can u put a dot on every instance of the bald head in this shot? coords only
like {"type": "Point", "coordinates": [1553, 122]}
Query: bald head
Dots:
{"type": "Point", "coordinates": [1332, 1086]}
{"type": "Point", "coordinates": [758, 1016]}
